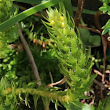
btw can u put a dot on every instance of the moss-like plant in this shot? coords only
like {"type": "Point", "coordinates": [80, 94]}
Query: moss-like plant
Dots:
{"type": "Point", "coordinates": [75, 62]}
{"type": "Point", "coordinates": [10, 34]}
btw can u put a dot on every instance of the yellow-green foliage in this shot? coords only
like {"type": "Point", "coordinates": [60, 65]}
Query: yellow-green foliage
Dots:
{"type": "Point", "coordinates": [5, 9]}
{"type": "Point", "coordinates": [10, 34]}
{"type": "Point", "coordinates": [75, 61]}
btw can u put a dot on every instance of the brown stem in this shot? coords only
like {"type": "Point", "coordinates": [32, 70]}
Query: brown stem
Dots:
{"type": "Point", "coordinates": [31, 59]}
{"type": "Point", "coordinates": [62, 81]}
{"type": "Point", "coordinates": [99, 84]}
{"type": "Point", "coordinates": [78, 12]}
{"type": "Point", "coordinates": [96, 71]}
{"type": "Point", "coordinates": [100, 74]}
{"type": "Point", "coordinates": [104, 40]}
{"type": "Point", "coordinates": [91, 29]}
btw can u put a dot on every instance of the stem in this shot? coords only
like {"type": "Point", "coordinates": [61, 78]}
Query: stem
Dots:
{"type": "Point", "coordinates": [31, 59]}
{"type": "Point", "coordinates": [104, 41]}
{"type": "Point", "coordinates": [62, 81]}
{"type": "Point", "coordinates": [78, 12]}
{"type": "Point", "coordinates": [100, 74]}
{"type": "Point", "coordinates": [62, 97]}
{"type": "Point", "coordinates": [99, 84]}
{"type": "Point", "coordinates": [91, 29]}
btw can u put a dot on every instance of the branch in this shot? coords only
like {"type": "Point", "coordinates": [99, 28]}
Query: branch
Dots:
{"type": "Point", "coordinates": [31, 59]}
{"type": "Point", "coordinates": [91, 29]}
{"type": "Point", "coordinates": [104, 39]}
{"type": "Point", "coordinates": [62, 81]}
{"type": "Point", "coordinates": [78, 12]}
{"type": "Point", "coordinates": [100, 74]}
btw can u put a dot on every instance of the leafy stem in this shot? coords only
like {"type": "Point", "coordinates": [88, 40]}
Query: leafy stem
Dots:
{"type": "Point", "coordinates": [59, 95]}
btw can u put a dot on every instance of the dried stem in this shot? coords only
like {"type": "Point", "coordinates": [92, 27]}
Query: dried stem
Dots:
{"type": "Point", "coordinates": [62, 81]}
{"type": "Point", "coordinates": [31, 59]}
{"type": "Point", "coordinates": [78, 12]}
{"type": "Point", "coordinates": [100, 74]}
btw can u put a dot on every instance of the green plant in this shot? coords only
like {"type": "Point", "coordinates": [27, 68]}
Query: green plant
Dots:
{"type": "Point", "coordinates": [106, 8]}
{"type": "Point", "coordinates": [71, 53]}
{"type": "Point", "coordinates": [61, 50]}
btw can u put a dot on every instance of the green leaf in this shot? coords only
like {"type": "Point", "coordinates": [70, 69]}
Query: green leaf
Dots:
{"type": "Point", "coordinates": [84, 34]}
{"type": "Point", "coordinates": [27, 13]}
{"type": "Point", "coordinates": [88, 39]}
{"type": "Point", "coordinates": [1, 107]}
{"type": "Point", "coordinates": [46, 101]}
{"type": "Point", "coordinates": [105, 1]}
{"type": "Point", "coordinates": [106, 28]}
{"type": "Point", "coordinates": [56, 105]}
{"type": "Point", "coordinates": [79, 71]}
{"type": "Point", "coordinates": [95, 40]}
{"type": "Point", "coordinates": [7, 102]}
{"type": "Point", "coordinates": [107, 107]}
{"type": "Point", "coordinates": [31, 1]}
{"type": "Point", "coordinates": [11, 35]}
{"type": "Point", "coordinates": [88, 107]}
{"type": "Point", "coordinates": [92, 77]}
{"type": "Point", "coordinates": [71, 106]}
{"type": "Point", "coordinates": [105, 8]}
{"type": "Point", "coordinates": [35, 98]}
{"type": "Point", "coordinates": [74, 78]}
{"type": "Point", "coordinates": [82, 61]}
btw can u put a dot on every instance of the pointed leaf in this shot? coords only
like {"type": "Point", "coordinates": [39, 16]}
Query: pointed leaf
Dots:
{"type": "Point", "coordinates": [78, 71]}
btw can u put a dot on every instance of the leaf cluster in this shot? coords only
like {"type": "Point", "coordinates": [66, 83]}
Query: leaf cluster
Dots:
{"type": "Point", "coordinates": [106, 9]}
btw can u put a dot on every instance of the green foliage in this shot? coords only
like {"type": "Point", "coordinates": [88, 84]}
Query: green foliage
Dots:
{"type": "Point", "coordinates": [7, 101]}
{"type": "Point", "coordinates": [71, 53]}
{"type": "Point", "coordinates": [32, 1]}
{"type": "Point", "coordinates": [106, 28]}
{"type": "Point", "coordinates": [65, 51]}
{"type": "Point", "coordinates": [71, 106]}
{"type": "Point", "coordinates": [5, 9]}
{"type": "Point", "coordinates": [10, 34]}
{"type": "Point", "coordinates": [106, 8]}
{"type": "Point", "coordinates": [88, 39]}
{"type": "Point", "coordinates": [105, 1]}
{"type": "Point", "coordinates": [26, 13]}
{"type": "Point", "coordinates": [104, 105]}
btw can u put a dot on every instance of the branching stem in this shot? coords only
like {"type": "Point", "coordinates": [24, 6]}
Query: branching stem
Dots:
{"type": "Point", "coordinates": [100, 74]}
